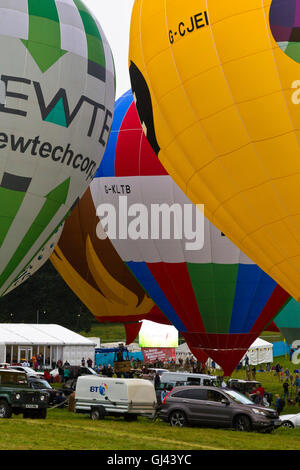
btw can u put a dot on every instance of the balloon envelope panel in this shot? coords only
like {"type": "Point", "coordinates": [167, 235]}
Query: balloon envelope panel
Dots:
{"type": "Point", "coordinates": [97, 275]}
{"type": "Point", "coordinates": [54, 122]}
{"type": "Point", "coordinates": [217, 92]}
{"type": "Point", "coordinates": [288, 321]}
{"type": "Point", "coordinates": [215, 295]}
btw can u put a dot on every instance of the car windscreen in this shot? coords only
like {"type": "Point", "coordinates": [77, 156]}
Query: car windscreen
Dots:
{"type": "Point", "coordinates": [40, 384]}
{"type": "Point", "coordinates": [239, 397]}
{"type": "Point", "coordinates": [13, 378]}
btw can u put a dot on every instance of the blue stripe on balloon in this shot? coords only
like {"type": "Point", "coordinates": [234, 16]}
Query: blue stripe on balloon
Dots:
{"type": "Point", "coordinates": [107, 167]}
{"type": "Point", "coordinates": [253, 290]}
{"type": "Point", "coordinates": [141, 271]}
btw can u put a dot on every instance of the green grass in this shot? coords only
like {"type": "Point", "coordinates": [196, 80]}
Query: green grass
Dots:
{"type": "Point", "coordinates": [107, 332]}
{"type": "Point", "coordinates": [271, 336]}
{"type": "Point", "coordinates": [110, 333]}
{"type": "Point", "coordinates": [63, 430]}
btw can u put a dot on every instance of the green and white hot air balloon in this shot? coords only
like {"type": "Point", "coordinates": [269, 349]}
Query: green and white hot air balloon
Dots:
{"type": "Point", "coordinates": [57, 91]}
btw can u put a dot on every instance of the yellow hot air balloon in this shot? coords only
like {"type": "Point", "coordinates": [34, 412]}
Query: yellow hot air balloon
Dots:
{"type": "Point", "coordinates": [217, 88]}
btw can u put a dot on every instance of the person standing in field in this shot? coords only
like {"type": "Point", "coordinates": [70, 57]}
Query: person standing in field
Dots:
{"type": "Point", "coordinates": [297, 384]}
{"type": "Point", "coordinates": [286, 389]}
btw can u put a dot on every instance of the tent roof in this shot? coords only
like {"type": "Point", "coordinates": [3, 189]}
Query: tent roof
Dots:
{"type": "Point", "coordinates": [183, 348]}
{"type": "Point", "coordinates": [260, 343]}
{"type": "Point", "coordinates": [23, 333]}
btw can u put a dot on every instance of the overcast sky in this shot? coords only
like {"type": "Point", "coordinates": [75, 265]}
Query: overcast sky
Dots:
{"type": "Point", "coordinates": [114, 17]}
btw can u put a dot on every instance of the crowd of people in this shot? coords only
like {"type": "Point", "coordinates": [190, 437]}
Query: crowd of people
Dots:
{"type": "Point", "coordinates": [290, 379]}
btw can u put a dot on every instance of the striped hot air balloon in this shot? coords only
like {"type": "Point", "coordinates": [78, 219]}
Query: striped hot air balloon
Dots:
{"type": "Point", "coordinates": [288, 321]}
{"type": "Point", "coordinates": [57, 96]}
{"type": "Point", "coordinates": [218, 92]}
{"type": "Point", "coordinates": [94, 271]}
{"type": "Point", "coordinates": [215, 296]}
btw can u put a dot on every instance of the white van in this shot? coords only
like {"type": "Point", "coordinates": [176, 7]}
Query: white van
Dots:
{"type": "Point", "coordinates": [187, 378]}
{"type": "Point", "coordinates": [102, 396]}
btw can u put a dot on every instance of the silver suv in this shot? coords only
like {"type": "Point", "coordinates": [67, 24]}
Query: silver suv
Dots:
{"type": "Point", "coordinates": [211, 406]}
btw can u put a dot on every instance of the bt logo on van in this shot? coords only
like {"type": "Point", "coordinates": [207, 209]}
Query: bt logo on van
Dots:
{"type": "Point", "coordinates": [101, 389]}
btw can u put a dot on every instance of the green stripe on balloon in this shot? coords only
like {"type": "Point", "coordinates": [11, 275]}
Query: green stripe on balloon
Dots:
{"type": "Point", "coordinates": [53, 202]}
{"type": "Point", "coordinates": [12, 192]}
{"type": "Point", "coordinates": [10, 203]}
{"type": "Point", "coordinates": [214, 286]}
{"type": "Point", "coordinates": [44, 38]}
{"type": "Point", "coordinates": [96, 54]}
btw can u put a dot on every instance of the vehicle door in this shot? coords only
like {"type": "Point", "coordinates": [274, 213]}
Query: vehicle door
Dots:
{"type": "Point", "coordinates": [220, 408]}
{"type": "Point", "coordinates": [193, 402]}
{"type": "Point", "coordinates": [297, 420]}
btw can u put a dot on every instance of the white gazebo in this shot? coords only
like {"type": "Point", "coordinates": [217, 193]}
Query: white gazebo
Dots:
{"type": "Point", "coordinates": [260, 352]}
{"type": "Point", "coordinates": [20, 342]}
{"type": "Point", "coordinates": [183, 351]}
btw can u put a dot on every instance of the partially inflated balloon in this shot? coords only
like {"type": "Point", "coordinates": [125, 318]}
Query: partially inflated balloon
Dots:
{"type": "Point", "coordinates": [213, 294]}
{"type": "Point", "coordinates": [56, 107]}
{"type": "Point", "coordinates": [39, 260]}
{"type": "Point", "coordinates": [94, 271]}
{"type": "Point", "coordinates": [217, 90]}
{"type": "Point", "coordinates": [288, 321]}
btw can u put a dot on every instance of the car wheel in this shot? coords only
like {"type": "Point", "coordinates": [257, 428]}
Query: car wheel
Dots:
{"type": "Point", "coordinates": [178, 418]}
{"type": "Point", "coordinates": [242, 423]}
{"type": "Point", "coordinates": [96, 414]}
{"type": "Point", "coordinates": [5, 409]}
{"type": "Point", "coordinates": [287, 424]}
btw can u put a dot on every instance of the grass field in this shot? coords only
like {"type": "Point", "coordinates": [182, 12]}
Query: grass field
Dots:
{"type": "Point", "coordinates": [64, 430]}
{"type": "Point", "coordinates": [107, 332]}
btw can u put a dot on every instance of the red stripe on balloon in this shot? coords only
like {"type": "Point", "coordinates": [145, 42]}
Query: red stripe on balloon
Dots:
{"type": "Point", "coordinates": [134, 155]}
{"type": "Point", "coordinates": [275, 303]}
{"type": "Point", "coordinates": [225, 349]}
{"type": "Point", "coordinates": [174, 281]}
{"type": "Point", "coordinates": [132, 330]}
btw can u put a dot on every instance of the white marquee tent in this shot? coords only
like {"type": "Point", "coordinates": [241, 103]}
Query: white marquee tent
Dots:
{"type": "Point", "coordinates": [260, 352]}
{"type": "Point", "coordinates": [20, 341]}
{"type": "Point", "coordinates": [183, 352]}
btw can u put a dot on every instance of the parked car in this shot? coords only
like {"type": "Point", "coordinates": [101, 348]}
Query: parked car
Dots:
{"type": "Point", "coordinates": [76, 371]}
{"type": "Point", "coordinates": [246, 386]}
{"type": "Point", "coordinates": [17, 397]}
{"type": "Point", "coordinates": [68, 387]}
{"type": "Point", "coordinates": [290, 421]}
{"type": "Point", "coordinates": [154, 371]}
{"type": "Point", "coordinates": [211, 406]}
{"type": "Point", "coordinates": [28, 371]}
{"type": "Point", "coordinates": [55, 396]}
{"type": "Point", "coordinates": [188, 377]}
